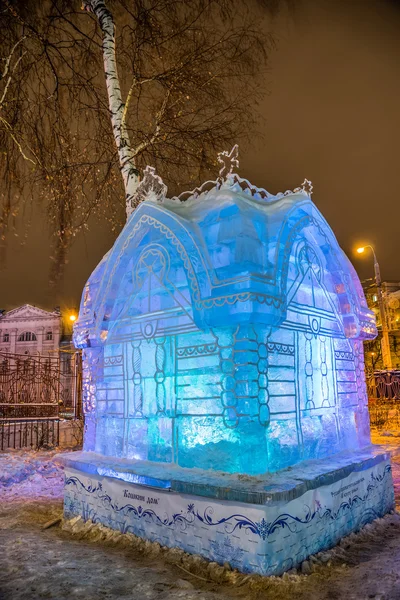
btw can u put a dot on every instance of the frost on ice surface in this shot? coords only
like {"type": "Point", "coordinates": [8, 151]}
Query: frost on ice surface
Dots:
{"type": "Point", "coordinates": [225, 332]}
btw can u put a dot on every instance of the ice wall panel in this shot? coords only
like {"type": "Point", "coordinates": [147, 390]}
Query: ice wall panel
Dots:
{"type": "Point", "coordinates": [283, 443]}
{"type": "Point", "coordinates": [207, 442]}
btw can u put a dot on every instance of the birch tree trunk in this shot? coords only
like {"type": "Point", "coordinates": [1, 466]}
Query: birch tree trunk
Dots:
{"type": "Point", "coordinates": [130, 174]}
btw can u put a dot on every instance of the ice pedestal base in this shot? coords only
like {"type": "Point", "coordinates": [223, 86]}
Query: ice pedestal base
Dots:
{"type": "Point", "coordinates": [264, 525]}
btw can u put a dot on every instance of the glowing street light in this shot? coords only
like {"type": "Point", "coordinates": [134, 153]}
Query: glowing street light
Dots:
{"type": "Point", "coordinates": [72, 318]}
{"type": "Point", "coordinates": [387, 358]}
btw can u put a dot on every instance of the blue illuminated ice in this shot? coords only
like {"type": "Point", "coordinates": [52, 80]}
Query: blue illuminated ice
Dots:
{"type": "Point", "coordinates": [225, 332]}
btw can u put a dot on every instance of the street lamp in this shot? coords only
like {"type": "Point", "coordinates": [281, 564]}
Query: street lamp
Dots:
{"type": "Point", "coordinates": [386, 355]}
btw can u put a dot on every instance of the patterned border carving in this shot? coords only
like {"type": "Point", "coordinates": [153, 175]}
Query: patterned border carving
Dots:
{"type": "Point", "coordinates": [241, 297]}
{"type": "Point", "coordinates": [231, 522]}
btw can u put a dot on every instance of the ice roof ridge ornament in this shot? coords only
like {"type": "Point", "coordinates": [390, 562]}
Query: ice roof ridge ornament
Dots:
{"type": "Point", "coordinates": [306, 187]}
{"type": "Point", "coordinates": [229, 161]}
{"type": "Point", "coordinates": [153, 188]}
{"type": "Point", "coordinates": [246, 187]}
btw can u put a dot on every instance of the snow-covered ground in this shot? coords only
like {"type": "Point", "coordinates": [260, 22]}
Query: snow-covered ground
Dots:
{"type": "Point", "coordinates": [30, 474]}
{"type": "Point", "coordinates": [80, 560]}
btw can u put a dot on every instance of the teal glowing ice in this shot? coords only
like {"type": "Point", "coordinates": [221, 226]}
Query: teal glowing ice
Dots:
{"type": "Point", "coordinates": [225, 332]}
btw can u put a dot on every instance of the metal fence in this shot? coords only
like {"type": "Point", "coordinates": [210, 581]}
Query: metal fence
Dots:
{"type": "Point", "coordinates": [39, 386]}
{"type": "Point", "coordinates": [35, 393]}
{"type": "Point", "coordinates": [29, 433]}
{"type": "Point", "coordinates": [384, 399]}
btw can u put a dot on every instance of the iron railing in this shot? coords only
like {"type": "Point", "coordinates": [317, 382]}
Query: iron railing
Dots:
{"type": "Point", "coordinates": [384, 385]}
{"type": "Point", "coordinates": [35, 387]}
{"type": "Point", "coordinates": [383, 389]}
{"type": "Point", "coordinates": [29, 433]}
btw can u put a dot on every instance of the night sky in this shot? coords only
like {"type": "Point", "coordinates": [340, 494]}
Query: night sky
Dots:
{"type": "Point", "coordinates": [331, 115]}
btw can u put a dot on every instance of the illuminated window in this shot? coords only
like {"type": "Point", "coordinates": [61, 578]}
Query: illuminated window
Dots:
{"type": "Point", "coordinates": [49, 335]}
{"type": "Point", "coordinates": [374, 298]}
{"type": "Point", "coordinates": [27, 336]}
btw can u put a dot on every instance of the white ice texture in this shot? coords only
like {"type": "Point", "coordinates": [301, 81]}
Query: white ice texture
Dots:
{"type": "Point", "coordinates": [225, 333]}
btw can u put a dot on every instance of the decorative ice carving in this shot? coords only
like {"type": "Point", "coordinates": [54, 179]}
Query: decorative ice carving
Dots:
{"type": "Point", "coordinates": [151, 188]}
{"type": "Point", "coordinates": [306, 187]}
{"type": "Point", "coordinates": [226, 332]}
{"type": "Point", "coordinates": [229, 161]}
{"type": "Point", "coordinates": [229, 179]}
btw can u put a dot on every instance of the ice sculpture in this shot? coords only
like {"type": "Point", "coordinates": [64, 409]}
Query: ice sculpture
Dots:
{"type": "Point", "coordinates": [224, 331]}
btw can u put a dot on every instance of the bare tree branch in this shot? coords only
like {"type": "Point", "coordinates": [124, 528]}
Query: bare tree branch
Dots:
{"type": "Point", "coordinates": [182, 81]}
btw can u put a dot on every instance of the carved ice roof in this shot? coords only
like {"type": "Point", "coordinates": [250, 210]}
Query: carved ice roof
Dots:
{"type": "Point", "coordinates": [237, 244]}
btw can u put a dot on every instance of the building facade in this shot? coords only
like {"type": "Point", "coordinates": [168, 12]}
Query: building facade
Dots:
{"type": "Point", "coordinates": [38, 365]}
{"type": "Point", "coordinates": [29, 330]}
{"type": "Point", "coordinates": [373, 348]}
